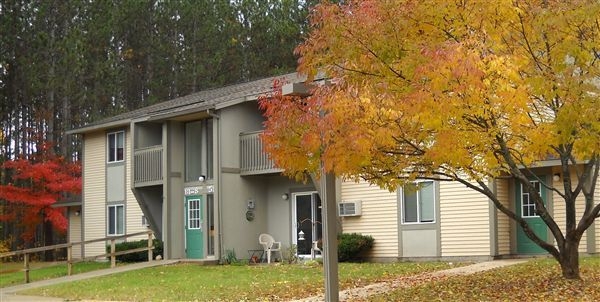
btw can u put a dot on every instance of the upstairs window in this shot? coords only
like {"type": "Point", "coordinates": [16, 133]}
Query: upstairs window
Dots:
{"type": "Point", "coordinates": [199, 150]}
{"type": "Point", "coordinates": [418, 203]}
{"type": "Point", "coordinates": [116, 143]}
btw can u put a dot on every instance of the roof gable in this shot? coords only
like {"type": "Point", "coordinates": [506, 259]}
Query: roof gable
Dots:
{"type": "Point", "coordinates": [204, 100]}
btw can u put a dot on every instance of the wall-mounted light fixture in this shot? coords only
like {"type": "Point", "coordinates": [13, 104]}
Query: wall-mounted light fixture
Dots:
{"type": "Point", "coordinates": [285, 196]}
{"type": "Point", "coordinates": [556, 177]}
{"type": "Point", "coordinates": [77, 213]}
{"type": "Point", "coordinates": [201, 178]}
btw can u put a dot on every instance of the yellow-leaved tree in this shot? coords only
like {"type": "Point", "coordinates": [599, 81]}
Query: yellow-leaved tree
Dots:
{"type": "Point", "coordinates": [467, 91]}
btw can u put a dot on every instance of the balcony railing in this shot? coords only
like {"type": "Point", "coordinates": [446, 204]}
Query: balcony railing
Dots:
{"type": "Point", "coordinates": [148, 166]}
{"type": "Point", "coordinates": [253, 160]}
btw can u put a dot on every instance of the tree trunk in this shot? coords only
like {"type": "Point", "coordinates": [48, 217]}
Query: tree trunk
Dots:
{"type": "Point", "coordinates": [569, 260]}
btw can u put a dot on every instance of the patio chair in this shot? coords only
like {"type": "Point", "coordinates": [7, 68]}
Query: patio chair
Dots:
{"type": "Point", "coordinates": [315, 249]}
{"type": "Point", "coordinates": [269, 245]}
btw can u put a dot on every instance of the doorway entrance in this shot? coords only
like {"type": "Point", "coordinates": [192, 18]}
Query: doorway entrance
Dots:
{"type": "Point", "coordinates": [525, 207]}
{"type": "Point", "coordinates": [306, 222]}
{"type": "Point", "coordinates": [194, 239]}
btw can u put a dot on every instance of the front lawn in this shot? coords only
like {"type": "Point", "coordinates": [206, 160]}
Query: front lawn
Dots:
{"type": "Point", "coordinates": [537, 280]}
{"type": "Point", "coordinates": [189, 282]}
{"type": "Point", "coordinates": [12, 272]}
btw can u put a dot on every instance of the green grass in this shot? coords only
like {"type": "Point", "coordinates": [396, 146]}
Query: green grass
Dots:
{"type": "Point", "coordinates": [189, 282]}
{"type": "Point", "coordinates": [538, 280]}
{"type": "Point", "coordinates": [12, 273]}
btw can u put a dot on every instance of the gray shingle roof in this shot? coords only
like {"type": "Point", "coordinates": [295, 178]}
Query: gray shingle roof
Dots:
{"type": "Point", "coordinates": [199, 101]}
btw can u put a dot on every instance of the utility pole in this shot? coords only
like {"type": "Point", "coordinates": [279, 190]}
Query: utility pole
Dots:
{"type": "Point", "coordinates": [330, 244]}
{"type": "Point", "coordinates": [326, 188]}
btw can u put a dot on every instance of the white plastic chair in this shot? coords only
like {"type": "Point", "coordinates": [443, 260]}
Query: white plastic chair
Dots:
{"type": "Point", "coordinates": [314, 250]}
{"type": "Point", "coordinates": [269, 245]}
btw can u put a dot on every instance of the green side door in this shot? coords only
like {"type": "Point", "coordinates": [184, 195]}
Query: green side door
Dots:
{"type": "Point", "coordinates": [194, 239]}
{"type": "Point", "coordinates": [526, 209]}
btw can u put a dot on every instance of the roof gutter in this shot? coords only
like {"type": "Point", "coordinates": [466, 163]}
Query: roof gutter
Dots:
{"type": "Point", "coordinates": [97, 127]}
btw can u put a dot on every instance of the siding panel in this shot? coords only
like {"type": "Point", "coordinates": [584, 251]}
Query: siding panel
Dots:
{"type": "Point", "coordinates": [503, 222]}
{"type": "Point", "coordinates": [133, 215]}
{"type": "Point", "coordinates": [379, 217]}
{"type": "Point", "coordinates": [464, 221]}
{"type": "Point", "coordinates": [94, 193]}
{"type": "Point", "coordinates": [75, 232]}
{"type": "Point", "coordinates": [597, 223]}
{"type": "Point", "coordinates": [560, 210]}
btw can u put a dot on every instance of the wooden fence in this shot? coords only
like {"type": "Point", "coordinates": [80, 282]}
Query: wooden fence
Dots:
{"type": "Point", "coordinates": [69, 246]}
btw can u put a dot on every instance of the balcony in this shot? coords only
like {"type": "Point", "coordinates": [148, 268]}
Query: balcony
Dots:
{"type": "Point", "coordinates": [253, 161]}
{"type": "Point", "coordinates": [147, 169]}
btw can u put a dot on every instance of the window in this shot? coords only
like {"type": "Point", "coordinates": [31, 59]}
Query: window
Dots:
{"type": "Point", "coordinates": [194, 219]}
{"type": "Point", "coordinates": [199, 150]}
{"type": "Point", "coordinates": [418, 203]}
{"type": "Point", "coordinates": [527, 204]}
{"type": "Point", "coordinates": [116, 143]}
{"type": "Point", "coordinates": [116, 220]}
{"type": "Point", "coordinates": [210, 208]}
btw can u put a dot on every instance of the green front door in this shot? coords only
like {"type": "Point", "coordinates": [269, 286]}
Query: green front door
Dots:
{"type": "Point", "coordinates": [526, 209]}
{"type": "Point", "coordinates": [194, 248]}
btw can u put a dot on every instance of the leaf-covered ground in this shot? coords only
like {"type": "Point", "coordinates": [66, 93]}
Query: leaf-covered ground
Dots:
{"type": "Point", "coordinates": [537, 280]}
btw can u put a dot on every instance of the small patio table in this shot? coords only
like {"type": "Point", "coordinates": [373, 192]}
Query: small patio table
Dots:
{"type": "Point", "coordinates": [256, 256]}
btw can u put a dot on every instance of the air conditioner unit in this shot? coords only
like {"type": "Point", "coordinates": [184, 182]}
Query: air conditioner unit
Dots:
{"type": "Point", "coordinates": [349, 208]}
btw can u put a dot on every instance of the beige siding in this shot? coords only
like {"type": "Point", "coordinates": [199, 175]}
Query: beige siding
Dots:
{"type": "Point", "coordinates": [597, 223]}
{"type": "Point", "coordinates": [379, 217]}
{"type": "Point", "coordinates": [75, 232]}
{"type": "Point", "coordinates": [560, 210]}
{"type": "Point", "coordinates": [464, 221]}
{"type": "Point", "coordinates": [94, 193]}
{"type": "Point", "coordinates": [503, 222]}
{"type": "Point", "coordinates": [133, 215]}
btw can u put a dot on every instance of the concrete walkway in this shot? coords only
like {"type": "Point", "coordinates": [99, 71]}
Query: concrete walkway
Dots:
{"type": "Point", "coordinates": [8, 294]}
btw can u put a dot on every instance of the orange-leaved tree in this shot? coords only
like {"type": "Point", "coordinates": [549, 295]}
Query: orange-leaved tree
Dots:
{"type": "Point", "coordinates": [466, 91]}
{"type": "Point", "coordinates": [33, 186]}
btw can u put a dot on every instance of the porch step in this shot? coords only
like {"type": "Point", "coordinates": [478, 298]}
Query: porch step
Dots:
{"type": "Point", "coordinates": [199, 261]}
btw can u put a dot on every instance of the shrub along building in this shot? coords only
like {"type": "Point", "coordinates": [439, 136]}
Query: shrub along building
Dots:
{"type": "Point", "coordinates": [193, 170]}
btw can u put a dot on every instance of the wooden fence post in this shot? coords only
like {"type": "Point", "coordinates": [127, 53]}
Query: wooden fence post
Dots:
{"type": "Point", "coordinates": [150, 243]}
{"type": "Point", "coordinates": [26, 267]}
{"type": "Point", "coordinates": [113, 258]}
{"type": "Point", "coordinates": [69, 260]}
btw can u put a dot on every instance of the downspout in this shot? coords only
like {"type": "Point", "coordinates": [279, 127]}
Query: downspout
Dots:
{"type": "Point", "coordinates": [212, 114]}
{"type": "Point", "coordinates": [217, 146]}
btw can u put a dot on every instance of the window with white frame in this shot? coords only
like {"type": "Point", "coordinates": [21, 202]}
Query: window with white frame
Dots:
{"type": "Point", "coordinates": [418, 202]}
{"type": "Point", "coordinates": [199, 150]}
{"type": "Point", "coordinates": [116, 220]}
{"type": "Point", "coordinates": [527, 204]}
{"type": "Point", "coordinates": [116, 146]}
{"type": "Point", "coordinates": [194, 218]}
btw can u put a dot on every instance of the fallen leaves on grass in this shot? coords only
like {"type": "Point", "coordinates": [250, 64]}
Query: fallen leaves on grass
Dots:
{"type": "Point", "coordinates": [538, 280]}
